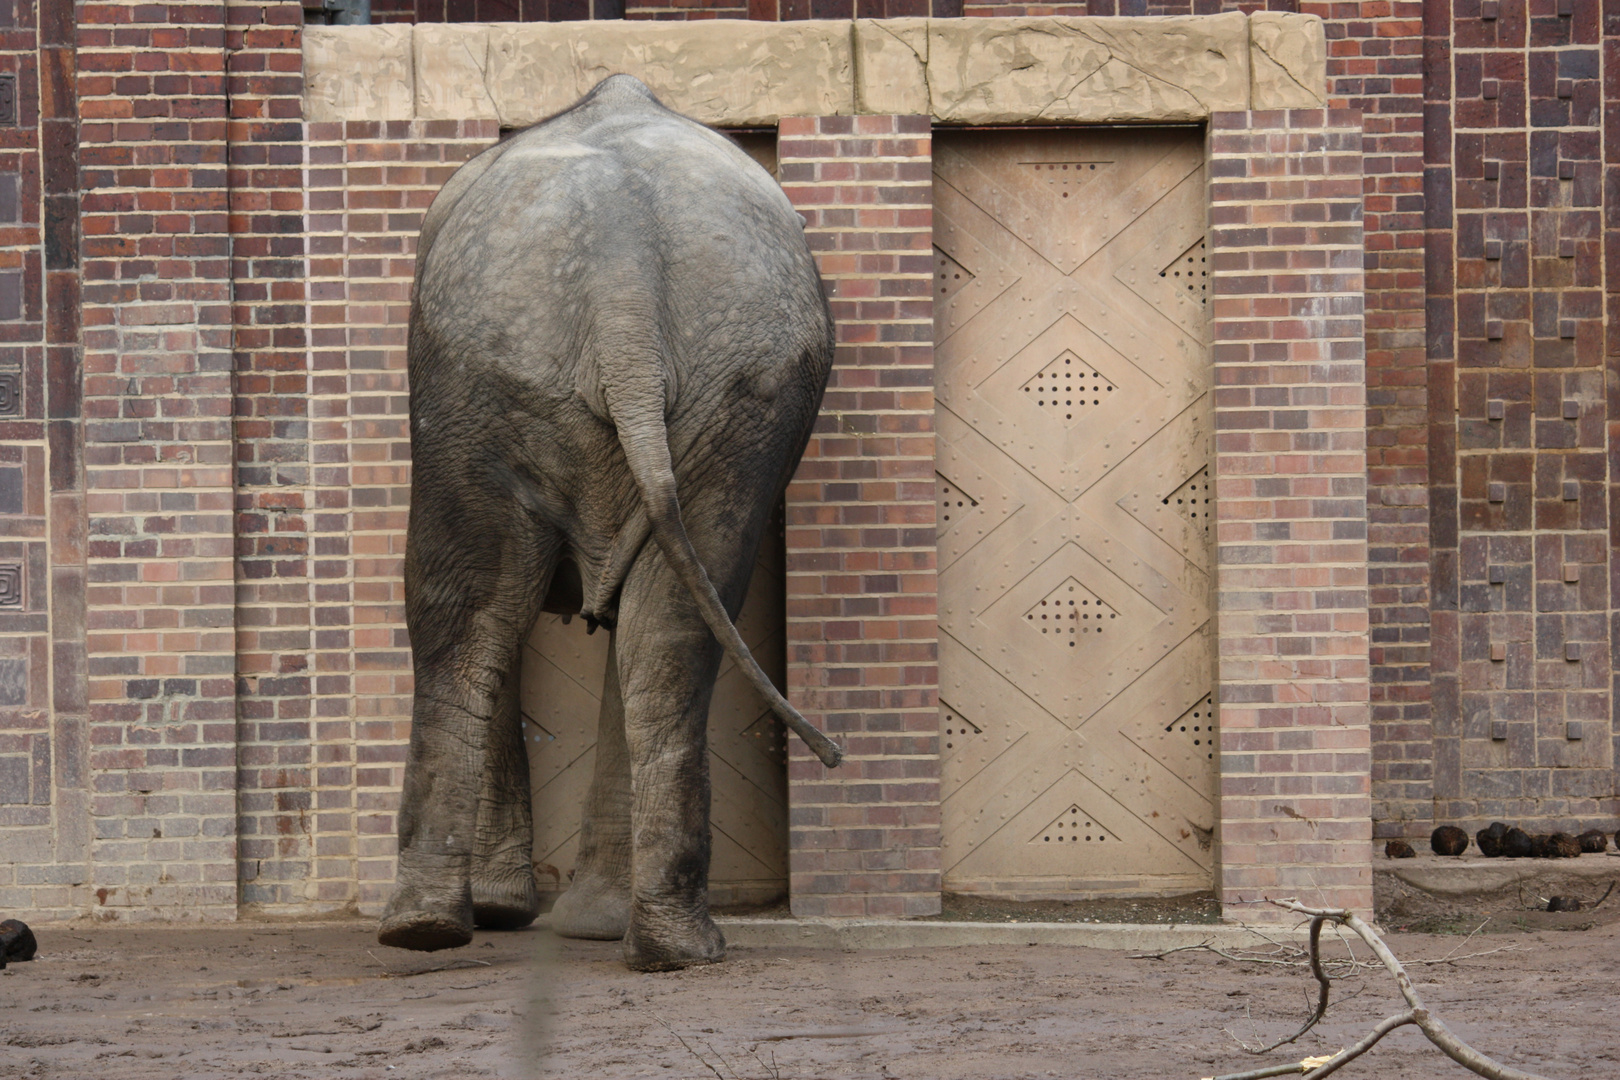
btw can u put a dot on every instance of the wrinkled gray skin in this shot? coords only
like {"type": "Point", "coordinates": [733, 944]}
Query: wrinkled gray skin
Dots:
{"type": "Point", "coordinates": [618, 347]}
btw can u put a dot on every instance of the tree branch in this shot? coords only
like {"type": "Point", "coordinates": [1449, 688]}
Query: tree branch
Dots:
{"type": "Point", "coordinates": [1417, 1014]}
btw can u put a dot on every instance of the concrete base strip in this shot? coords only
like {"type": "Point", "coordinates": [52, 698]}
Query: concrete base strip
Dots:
{"type": "Point", "coordinates": [910, 934]}
{"type": "Point", "coordinates": [1469, 875]}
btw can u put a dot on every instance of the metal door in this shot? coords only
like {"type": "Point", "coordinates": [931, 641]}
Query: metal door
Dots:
{"type": "Point", "coordinates": [1073, 409]}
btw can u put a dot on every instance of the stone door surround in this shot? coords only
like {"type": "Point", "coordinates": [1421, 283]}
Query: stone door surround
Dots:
{"type": "Point", "coordinates": [736, 73]}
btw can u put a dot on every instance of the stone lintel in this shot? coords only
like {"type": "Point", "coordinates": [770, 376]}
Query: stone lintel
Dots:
{"type": "Point", "coordinates": [740, 73]}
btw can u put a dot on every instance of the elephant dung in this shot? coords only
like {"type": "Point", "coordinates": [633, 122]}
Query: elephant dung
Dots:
{"type": "Point", "coordinates": [1516, 844]}
{"type": "Point", "coordinates": [16, 941]}
{"type": "Point", "coordinates": [1489, 839]}
{"type": "Point", "coordinates": [1399, 849]}
{"type": "Point", "coordinates": [1449, 840]}
{"type": "Point", "coordinates": [1561, 845]}
{"type": "Point", "coordinates": [1593, 841]}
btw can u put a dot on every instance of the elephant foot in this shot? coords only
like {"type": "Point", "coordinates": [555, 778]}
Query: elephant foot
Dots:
{"type": "Point", "coordinates": [506, 901]}
{"type": "Point", "coordinates": [663, 946]}
{"type": "Point", "coordinates": [591, 910]}
{"type": "Point", "coordinates": [426, 919]}
{"type": "Point", "coordinates": [424, 931]}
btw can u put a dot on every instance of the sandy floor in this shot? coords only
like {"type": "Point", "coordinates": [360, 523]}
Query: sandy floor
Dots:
{"type": "Point", "coordinates": [327, 1001]}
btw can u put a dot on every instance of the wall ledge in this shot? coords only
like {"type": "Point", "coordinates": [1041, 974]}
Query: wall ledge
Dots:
{"type": "Point", "coordinates": [739, 73]}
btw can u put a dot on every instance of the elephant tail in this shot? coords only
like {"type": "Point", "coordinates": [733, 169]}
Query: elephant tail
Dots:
{"type": "Point", "coordinates": [647, 452]}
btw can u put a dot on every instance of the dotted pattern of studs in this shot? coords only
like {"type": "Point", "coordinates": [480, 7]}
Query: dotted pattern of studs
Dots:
{"type": "Point", "coordinates": [950, 276]}
{"type": "Point", "coordinates": [1197, 724]}
{"type": "Point", "coordinates": [957, 729]}
{"type": "Point", "coordinates": [1194, 500]}
{"type": "Point", "coordinates": [1191, 272]}
{"type": "Point", "coordinates": [1068, 386]}
{"type": "Point", "coordinates": [1070, 611]}
{"type": "Point", "coordinates": [1074, 827]}
{"type": "Point", "coordinates": [953, 501]}
{"type": "Point", "coordinates": [1067, 176]}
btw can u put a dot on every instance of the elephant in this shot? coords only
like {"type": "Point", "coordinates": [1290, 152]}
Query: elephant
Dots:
{"type": "Point", "coordinates": [618, 346]}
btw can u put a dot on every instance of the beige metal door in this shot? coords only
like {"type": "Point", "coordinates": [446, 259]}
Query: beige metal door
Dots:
{"type": "Point", "coordinates": [562, 694]}
{"type": "Point", "coordinates": [1073, 413]}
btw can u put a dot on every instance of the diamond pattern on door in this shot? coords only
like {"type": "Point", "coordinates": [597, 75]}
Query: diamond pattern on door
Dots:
{"type": "Point", "coordinates": [1072, 400]}
{"type": "Point", "coordinates": [561, 696]}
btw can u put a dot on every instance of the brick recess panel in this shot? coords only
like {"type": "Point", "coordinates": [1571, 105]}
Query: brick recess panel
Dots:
{"type": "Point", "coordinates": [158, 458]}
{"type": "Point", "coordinates": [44, 809]}
{"type": "Point", "coordinates": [861, 591]}
{"type": "Point", "coordinates": [369, 185]}
{"type": "Point", "coordinates": [1522, 414]}
{"type": "Point", "coordinates": [1285, 244]}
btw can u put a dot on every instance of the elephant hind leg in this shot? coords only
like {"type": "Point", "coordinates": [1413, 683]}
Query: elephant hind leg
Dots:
{"type": "Point", "coordinates": [473, 590]}
{"type": "Point", "coordinates": [597, 903]}
{"type": "Point", "coordinates": [503, 892]}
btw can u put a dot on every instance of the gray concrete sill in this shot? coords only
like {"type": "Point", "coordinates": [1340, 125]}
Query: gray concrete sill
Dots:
{"type": "Point", "coordinates": [1472, 874]}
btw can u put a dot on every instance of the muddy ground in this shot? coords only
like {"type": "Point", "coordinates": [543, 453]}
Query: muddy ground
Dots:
{"type": "Point", "coordinates": [326, 1001]}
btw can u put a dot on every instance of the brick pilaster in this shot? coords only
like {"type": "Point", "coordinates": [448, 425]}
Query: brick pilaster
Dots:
{"type": "Point", "coordinates": [861, 592]}
{"type": "Point", "coordinates": [1285, 251]}
{"type": "Point", "coordinates": [158, 457]}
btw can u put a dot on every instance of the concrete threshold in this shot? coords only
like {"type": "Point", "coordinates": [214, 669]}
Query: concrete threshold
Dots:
{"type": "Point", "coordinates": [748, 932]}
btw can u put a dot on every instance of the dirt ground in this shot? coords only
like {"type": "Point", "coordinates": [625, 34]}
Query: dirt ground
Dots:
{"type": "Point", "coordinates": [295, 1001]}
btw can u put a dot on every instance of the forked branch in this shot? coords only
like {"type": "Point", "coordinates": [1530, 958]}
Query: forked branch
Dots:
{"type": "Point", "coordinates": [1416, 1014]}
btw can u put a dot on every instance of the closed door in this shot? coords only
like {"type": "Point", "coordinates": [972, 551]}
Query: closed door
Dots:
{"type": "Point", "coordinates": [1074, 439]}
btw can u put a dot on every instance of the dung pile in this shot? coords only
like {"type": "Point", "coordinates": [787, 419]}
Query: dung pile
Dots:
{"type": "Point", "coordinates": [1500, 840]}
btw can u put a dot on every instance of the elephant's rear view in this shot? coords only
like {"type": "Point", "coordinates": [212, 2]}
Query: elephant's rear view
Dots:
{"type": "Point", "coordinates": [618, 347]}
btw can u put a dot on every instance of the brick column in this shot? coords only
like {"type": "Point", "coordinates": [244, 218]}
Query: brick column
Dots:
{"type": "Point", "coordinates": [158, 458]}
{"type": "Point", "coordinates": [861, 593]}
{"type": "Point", "coordinates": [1285, 257]}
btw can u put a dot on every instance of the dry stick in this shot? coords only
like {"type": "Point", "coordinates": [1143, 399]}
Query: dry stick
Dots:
{"type": "Point", "coordinates": [1323, 985]}
{"type": "Point", "coordinates": [1431, 1026]}
{"type": "Point", "coordinates": [723, 1061]}
{"type": "Point", "coordinates": [776, 1074]}
{"type": "Point", "coordinates": [688, 1046]}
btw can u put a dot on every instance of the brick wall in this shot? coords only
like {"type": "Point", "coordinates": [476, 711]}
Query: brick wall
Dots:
{"type": "Point", "coordinates": [861, 591]}
{"type": "Point", "coordinates": [1285, 282]}
{"type": "Point", "coordinates": [216, 541]}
